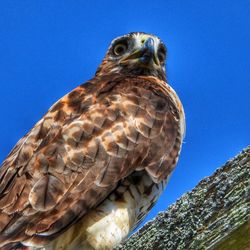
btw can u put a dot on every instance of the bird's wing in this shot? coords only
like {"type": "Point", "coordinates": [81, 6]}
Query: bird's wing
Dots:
{"type": "Point", "coordinates": [74, 157]}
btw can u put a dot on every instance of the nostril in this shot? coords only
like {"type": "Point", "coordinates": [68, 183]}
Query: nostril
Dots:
{"type": "Point", "coordinates": [143, 41]}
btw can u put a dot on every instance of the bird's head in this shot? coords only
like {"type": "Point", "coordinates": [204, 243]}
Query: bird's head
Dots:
{"type": "Point", "coordinates": [136, 53]}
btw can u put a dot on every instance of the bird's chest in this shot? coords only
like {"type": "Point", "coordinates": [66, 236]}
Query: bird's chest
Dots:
{"type": "Point", "coordinates": [138, 192]}
{"type": "Point", "coordinates": [124, 209]}
{"type": "Point", "coordinates": [108, 224]}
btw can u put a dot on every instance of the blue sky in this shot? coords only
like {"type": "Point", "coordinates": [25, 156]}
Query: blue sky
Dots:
{"type": "Point", "coordinates": [49, 47]}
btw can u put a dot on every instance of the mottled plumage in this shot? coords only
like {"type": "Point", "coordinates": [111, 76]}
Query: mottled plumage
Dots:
{"type": "Point", "coordinates": [95, 164]}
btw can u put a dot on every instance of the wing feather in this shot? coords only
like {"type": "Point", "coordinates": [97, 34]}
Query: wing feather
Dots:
{"type": "Point", "coordinates": [74, 157]}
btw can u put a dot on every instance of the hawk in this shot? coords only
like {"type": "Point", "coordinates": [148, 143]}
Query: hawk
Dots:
{"type": "Point", "coordinates": [91, 169]}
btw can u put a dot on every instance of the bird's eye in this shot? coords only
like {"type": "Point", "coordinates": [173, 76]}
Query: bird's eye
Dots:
{"type": "Point", "coordinates": [161, 54]}
{"type": "Point", "coordinates": [120, 48]}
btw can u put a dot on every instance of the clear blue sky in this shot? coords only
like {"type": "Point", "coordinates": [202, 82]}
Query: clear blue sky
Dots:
{"type": "Point", "coordinates": [49, 47]}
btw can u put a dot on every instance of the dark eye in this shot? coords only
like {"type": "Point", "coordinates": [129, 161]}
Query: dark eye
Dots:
{"type": "Point", "coordinates": [161, 54]}
{"type": "Point", "coordinates": [120, 48]}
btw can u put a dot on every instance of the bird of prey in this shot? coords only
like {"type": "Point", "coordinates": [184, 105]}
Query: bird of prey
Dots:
{"type": "Point", "coordinates": [91, 169]}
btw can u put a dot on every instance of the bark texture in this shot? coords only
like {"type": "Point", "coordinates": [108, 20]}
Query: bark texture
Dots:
{"type": "Point", "coordinates": [214, 215]}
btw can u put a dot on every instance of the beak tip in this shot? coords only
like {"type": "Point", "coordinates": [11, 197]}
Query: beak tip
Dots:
{"type": "Point", "coordinates": [149, 45]}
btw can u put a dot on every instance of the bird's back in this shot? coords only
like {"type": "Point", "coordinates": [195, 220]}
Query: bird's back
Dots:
{"type": "Point", "coordinates": [95, 163]}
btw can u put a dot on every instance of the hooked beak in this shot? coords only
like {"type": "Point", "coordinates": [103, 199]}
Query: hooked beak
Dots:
{"type": "Point", "coordinates": [146, 55]}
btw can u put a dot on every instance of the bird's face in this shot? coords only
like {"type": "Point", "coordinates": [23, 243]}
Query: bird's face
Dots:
{"type": "Point", "coordinates": [135, 54]}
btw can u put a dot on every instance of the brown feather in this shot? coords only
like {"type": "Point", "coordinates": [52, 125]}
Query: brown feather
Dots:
{"type": "Point", "coordinates": [75, 156]}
